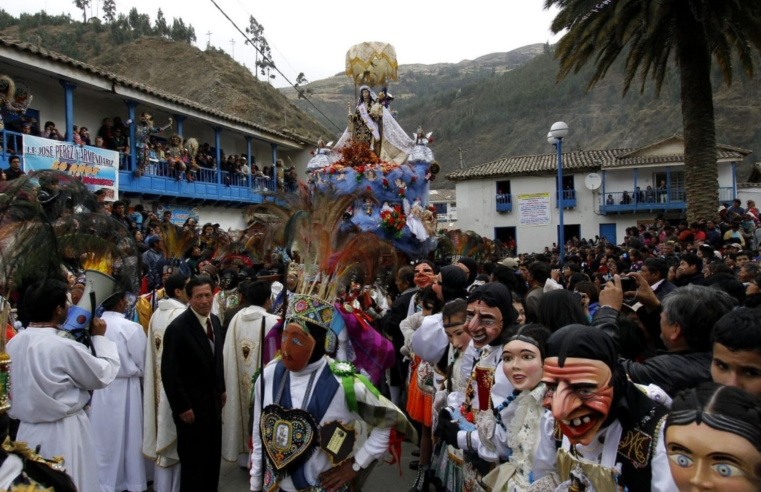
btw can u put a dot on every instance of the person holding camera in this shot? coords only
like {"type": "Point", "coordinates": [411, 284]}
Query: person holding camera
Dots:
{"type": "Point", "coordinates": [51, 132]}
{"type": "Point", "coordinates": [686, 318]}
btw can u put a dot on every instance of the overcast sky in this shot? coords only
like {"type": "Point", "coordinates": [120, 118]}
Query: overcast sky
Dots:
{"type": "Point", "coordinates": [313, 37]}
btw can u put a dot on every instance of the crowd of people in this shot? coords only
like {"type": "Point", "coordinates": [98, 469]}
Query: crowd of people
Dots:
{"type": "Point", "coordinates": [113, 134]}
{"type": "Point", "coordinates": [618, 367]}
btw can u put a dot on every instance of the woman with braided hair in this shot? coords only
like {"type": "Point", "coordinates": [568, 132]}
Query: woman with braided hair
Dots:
{"type": "Point", "coordinates": [713, 439]}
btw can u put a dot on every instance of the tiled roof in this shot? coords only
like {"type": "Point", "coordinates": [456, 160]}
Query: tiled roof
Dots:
{"type": "Point", "coordinates": [126, 82]}
{"type": "Point", "coordinates": [527, 164]}
{"type": "Point", "coordinates": [581, 160]}
{"type": "Point", "coordinates": [443, 195]}
{"type": "Point", "coordinates": [665, 159]}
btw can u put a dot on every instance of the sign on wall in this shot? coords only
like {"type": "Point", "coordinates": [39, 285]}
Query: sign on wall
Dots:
{"type": "Point", "coordinates": [96, 168]}
{"type": "Point", "coordinates": [180, 213]}
{"type": "Point", "coordinates": [534, 209]}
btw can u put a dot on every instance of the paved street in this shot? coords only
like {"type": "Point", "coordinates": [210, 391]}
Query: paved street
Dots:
{"type": "Point", "coordinates": [383, 479]}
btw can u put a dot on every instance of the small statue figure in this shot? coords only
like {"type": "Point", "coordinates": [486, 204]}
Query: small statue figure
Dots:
{"type": "Point", "coordinates": [368, 207]}
{"type": "Point", "coordinates": [421, 152]}
{"type": "Point", "coordinates": [320, 159]}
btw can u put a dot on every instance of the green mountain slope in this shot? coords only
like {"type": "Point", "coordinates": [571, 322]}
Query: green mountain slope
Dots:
{"type": "Point", "coordinates": [210, 77]}
{"type": "Point", "coordinates": [510, 114]}
{"type": "Point", "coordinates": [416, 82]}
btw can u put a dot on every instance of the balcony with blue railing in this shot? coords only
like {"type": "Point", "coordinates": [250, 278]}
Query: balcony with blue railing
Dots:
{"type": "Point", "coordinates": [569, 199]}
{"type": "Point", "coordinates": [159, 180]}
{"type": "Point", "coordinates": [650, 201]}
{"type": "Point", "coordinates": [504, 202]}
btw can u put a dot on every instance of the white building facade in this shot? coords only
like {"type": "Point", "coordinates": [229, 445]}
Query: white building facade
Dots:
{"type": "Point", "coordinates": [69, 92]}
{"type": "Point", "coordinates": [508, 198]}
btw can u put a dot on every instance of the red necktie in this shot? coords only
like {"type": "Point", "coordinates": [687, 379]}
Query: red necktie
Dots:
{"type": "Point", "coordinates": [209, 330]}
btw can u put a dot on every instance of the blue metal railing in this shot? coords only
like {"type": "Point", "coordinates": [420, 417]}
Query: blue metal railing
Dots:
{"type": "Point", "coordinates": [649, 200]}
{"type": "Point", "coordinates": [569, 198]}
{"type": "Point", "coordinates": [504, 202]}
{"type": "Point", "coordinates": [159, 177]}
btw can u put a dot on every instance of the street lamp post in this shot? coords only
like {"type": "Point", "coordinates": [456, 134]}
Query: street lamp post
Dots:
{"type": "Point", "coordinates": [557, 133]}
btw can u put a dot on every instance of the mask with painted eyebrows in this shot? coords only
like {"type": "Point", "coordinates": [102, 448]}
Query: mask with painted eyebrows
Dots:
{"type": "Point", "coordinates": [579, 394]}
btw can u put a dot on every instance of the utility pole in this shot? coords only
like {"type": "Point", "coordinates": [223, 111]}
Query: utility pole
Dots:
{"type": "Point", "coordinates": [208, 43]}
{"type": "Point", "coordinates": [461, 152]}
{"type": "Point", "coordinates": [232, 43]}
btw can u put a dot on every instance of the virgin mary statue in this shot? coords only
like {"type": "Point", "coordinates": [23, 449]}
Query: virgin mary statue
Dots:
{"type": "Point", "coordinates": [373, 124]}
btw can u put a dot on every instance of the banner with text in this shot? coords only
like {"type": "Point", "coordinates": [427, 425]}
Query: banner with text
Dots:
{"type": "Point", "coordinates": [96, 168]}
{"type": "Point", "coordinates": [180, 213]}
{"type": "Point", "coordinates": [534, 209]}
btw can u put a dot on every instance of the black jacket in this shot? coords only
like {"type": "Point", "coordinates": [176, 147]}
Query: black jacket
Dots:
{"type": "Point", "coordinates": [662, 290]}
{"type": "Point", "coordinates": [672, 371]}
{"type": "Point", "coordinates": [192, 375]}
{"type": "Point", "coordinates": [395, 315]}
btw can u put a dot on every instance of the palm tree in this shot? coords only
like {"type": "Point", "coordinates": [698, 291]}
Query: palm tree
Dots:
{"type": "Point", "coordinates": [693, 31]}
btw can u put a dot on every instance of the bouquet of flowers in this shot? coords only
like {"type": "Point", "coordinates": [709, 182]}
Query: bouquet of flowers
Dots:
{"type": "Point", "coordinates": [394, 221]}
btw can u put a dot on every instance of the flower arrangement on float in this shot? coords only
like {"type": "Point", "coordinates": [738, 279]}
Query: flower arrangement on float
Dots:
{"type": "Point", "coordinates": [394, 221]}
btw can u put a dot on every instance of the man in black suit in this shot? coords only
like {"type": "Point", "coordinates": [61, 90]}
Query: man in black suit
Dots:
{"type": "Point", "coordinates": [193, 378]}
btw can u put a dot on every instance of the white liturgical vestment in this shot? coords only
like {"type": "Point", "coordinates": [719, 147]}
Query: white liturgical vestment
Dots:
{"type": "Point", "coordinates": [116, 411]}
{"type": "Point", "coordinates": [159, 430]}
{"type": "Point", "coordinates": [50, 379]}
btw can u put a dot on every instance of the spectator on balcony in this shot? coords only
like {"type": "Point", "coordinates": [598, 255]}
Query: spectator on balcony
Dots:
{"type": "Point", "coordinates": [639, 195]}
{"type": "Point", "coordinates": [106, 130]}
{"type": "Point", "coordinates": [14, 171]}
{"type": "Point", "coordinates": [77, 137]}
{"type": "Point", "coordinates": [118, 141]}
{"type": "Point", "coordinates": [625, 198]}
{"type": "Point", "coordinates": [649, 195]}
{"type": "Point", "coordinates": [662, 192]}
{"type": "Point", "coordinates": [84, 134]}
{"type": "Point", "coordinates": [610, 200]}
{"type": "Point", "coordinates": [245, 171]}
{"type": "Point", "coordinates": [99, 144]}
{"type": "Point", "coordinates": [51, 132]}
{"type": "Point", "coordinates": [736, 209]}
{"type": "Point", "coordinates": [14, 141]}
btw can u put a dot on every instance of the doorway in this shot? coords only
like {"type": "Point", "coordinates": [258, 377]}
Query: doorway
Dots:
{"type": "Point", "coordinates": [507, 236]}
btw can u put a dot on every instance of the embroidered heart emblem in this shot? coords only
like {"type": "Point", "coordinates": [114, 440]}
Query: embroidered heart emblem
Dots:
{"type": "Point", "coordinates": [288, 435]}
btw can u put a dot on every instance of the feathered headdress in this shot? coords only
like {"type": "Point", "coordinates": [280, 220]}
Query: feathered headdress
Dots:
{"type": "Point", "coordinates": [328, 257]}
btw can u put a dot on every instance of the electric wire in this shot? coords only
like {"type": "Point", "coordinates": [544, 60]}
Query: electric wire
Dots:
{"type": "Point", "coordinates": [273, 65]}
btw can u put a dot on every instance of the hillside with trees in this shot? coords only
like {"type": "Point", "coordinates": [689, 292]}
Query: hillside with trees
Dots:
{"type": "Point", "coordinates": [160, 53]}
{"type": "Point", "coordinates": [510, 114]}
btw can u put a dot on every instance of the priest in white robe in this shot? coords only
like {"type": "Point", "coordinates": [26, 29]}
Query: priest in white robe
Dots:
{"type": "Point", "coordinates": [242, 356]}
{"type": "Point", "coordinates": [51, 377]}
{"type": "Point", "coordinates": [116, 411]}
{"type": "Point", "coordinates": [159, 430]}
